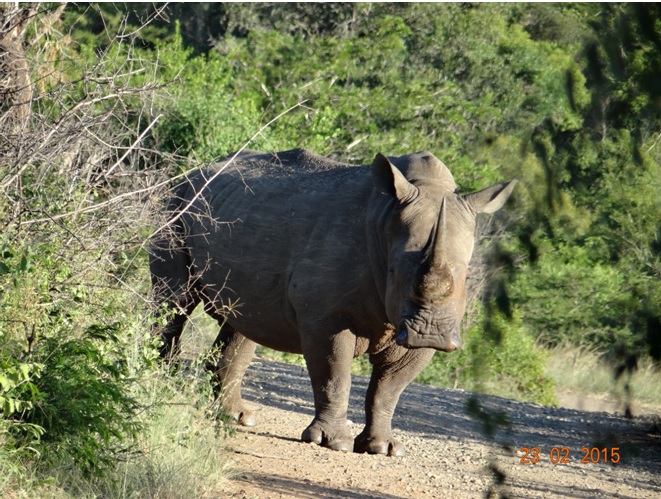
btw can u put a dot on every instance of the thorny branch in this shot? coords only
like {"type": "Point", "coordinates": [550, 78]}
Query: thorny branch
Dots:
{"type": "Point", "coordinates": [220, 170]}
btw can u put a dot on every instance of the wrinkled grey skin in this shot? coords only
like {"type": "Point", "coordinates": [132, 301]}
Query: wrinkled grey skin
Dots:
{"type": "Point", "coordinates": [328, 260]}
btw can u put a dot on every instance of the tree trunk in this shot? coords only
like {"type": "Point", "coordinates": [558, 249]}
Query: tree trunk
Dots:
{"type": "Point", "coordinates": [15, 81]}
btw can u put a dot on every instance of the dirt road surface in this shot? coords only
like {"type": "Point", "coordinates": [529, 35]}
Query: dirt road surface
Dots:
{"type": "Point", "coordinates": [450, 452]}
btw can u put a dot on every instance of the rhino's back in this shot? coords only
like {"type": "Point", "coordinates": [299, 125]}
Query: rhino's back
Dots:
{"type": "Point", "coordinates": [298, 170]}
{"type": "Point", "coordinates": [294, 161]}
{"type": "Point", "coordinates": [269, 221]}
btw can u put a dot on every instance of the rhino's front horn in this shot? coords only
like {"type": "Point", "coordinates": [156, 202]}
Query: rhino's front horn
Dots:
{"type": "Point", "coordinates": [435, 278]}
{"type": "Point", "coordinates": [434, 252]}
{"type": "Point", "coordinates": [438, 250]}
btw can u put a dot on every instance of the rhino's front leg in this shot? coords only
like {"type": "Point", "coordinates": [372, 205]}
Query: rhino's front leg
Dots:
{"type": "Point", "coordinates": [393, 369]}
{"type": "Point", "coordinates": [328, 359]}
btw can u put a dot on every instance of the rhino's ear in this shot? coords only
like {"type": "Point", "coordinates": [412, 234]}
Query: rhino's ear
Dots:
{"type": "Point", "coordinates": [490, 199]}
{"type": "Point", "coordinates": [389, 180]}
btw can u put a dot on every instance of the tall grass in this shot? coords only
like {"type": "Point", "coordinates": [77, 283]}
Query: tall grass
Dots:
{"type": "Point", "coordinates": [584, 372]}
{"type": "Point", "coordinates": [179, 454]}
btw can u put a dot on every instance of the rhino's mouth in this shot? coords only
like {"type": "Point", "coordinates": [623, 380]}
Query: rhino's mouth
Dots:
{"type": "Point", "coordinates": [417, 333]}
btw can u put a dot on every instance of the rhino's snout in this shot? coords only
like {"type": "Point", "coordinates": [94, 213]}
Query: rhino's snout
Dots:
{"type": "Point", "coordinates": [410, 337]}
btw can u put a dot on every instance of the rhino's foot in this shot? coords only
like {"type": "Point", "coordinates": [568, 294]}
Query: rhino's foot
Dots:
{"type": "Point", "coordinates": [372, 445]}
{"type": "Point", "coordinates": [329, 436]}
{"type": "Point", "coordinates": [244, 417]}
{"type": "Point", "coordinates": [247, 418]}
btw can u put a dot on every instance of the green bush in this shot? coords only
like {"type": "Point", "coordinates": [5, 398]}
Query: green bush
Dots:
{"type": "Point", "coordinates": [179, 452]}
{"type": "Point", "coordinates": [204, 118]}
{"type": "Point", "coordinates": [65, 376]}
{"type": "Point", "coordinates": [75, 336]}
{"type": "Point", "coordinates": [82, 401]}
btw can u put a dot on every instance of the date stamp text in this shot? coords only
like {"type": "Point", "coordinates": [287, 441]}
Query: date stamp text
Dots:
{"type": "Point", "coordinates": [563, 455]}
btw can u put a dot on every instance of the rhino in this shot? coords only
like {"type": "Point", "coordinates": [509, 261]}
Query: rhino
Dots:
{"type": "Point", "coordinates": [307, 255]}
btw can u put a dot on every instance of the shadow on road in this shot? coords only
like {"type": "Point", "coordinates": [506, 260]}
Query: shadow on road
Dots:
{"type": "Point", "coordinates": [442, 413]}
{"type": "Point", "coordinates": [277, 485]}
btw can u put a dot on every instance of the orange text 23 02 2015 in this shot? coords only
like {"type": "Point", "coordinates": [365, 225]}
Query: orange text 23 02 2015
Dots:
{"type": "Point", "coordinates": [563, 455]}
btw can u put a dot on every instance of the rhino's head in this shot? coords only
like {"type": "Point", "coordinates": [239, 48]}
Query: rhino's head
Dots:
{"type": "Point", "coordinates": [429, 239]}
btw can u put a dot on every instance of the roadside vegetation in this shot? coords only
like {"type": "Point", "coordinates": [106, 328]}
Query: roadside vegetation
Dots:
{"type": "Point", "coordinates": [102, 106]}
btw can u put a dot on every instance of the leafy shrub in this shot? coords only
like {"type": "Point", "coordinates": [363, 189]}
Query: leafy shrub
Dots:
{"type": "Point", "coordinates": [17, 395]}
{"type": "Point", "coordinates": [65, 386]}
{"type": "Point", "coordinates": [204, 119]}
{"type": "Point", "coordinates": [75, 340]}
{"type": "Point", "coordinates": [82, 402]}
{"type": "Point", "coordinates": [179, 452]}
{"type": "Point", "coordinates": [571, 298]}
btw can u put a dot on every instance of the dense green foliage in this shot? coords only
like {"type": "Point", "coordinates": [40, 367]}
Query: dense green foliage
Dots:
{"type": "Point", "coordinates": [564, 97]}
{"type": "Point", "coordinates": [69, 357]}
{"type": "Point", "coordinates": [599, 259]}
{"type": "Point", "coordinates": [502, 361]}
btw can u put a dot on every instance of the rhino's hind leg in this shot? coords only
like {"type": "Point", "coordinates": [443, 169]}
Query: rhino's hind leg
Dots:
{"type": "Point", "coordinates": [171, 332]}
{"type": "Point", "coordinates": [236, 352]}
{"type": "Point", "coordinates": [329, 366]}
{"type": "Point", "coordinates": [173, 285]}
{"type": "Point", "coordinates": [394, 368]}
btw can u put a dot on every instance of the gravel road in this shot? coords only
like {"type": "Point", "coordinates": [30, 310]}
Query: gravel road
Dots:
{"type": "Point", "coordinates": [451, 453]}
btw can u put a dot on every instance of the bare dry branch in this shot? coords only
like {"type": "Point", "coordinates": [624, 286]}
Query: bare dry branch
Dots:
{"type": "Point", "coordinates": [220, 170]}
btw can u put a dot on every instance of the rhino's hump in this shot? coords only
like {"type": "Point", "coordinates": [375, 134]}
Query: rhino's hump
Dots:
{"type": "Point", "coordinates": [297, 172]}
{"type": "Point", "coordinates": [294, 161]}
